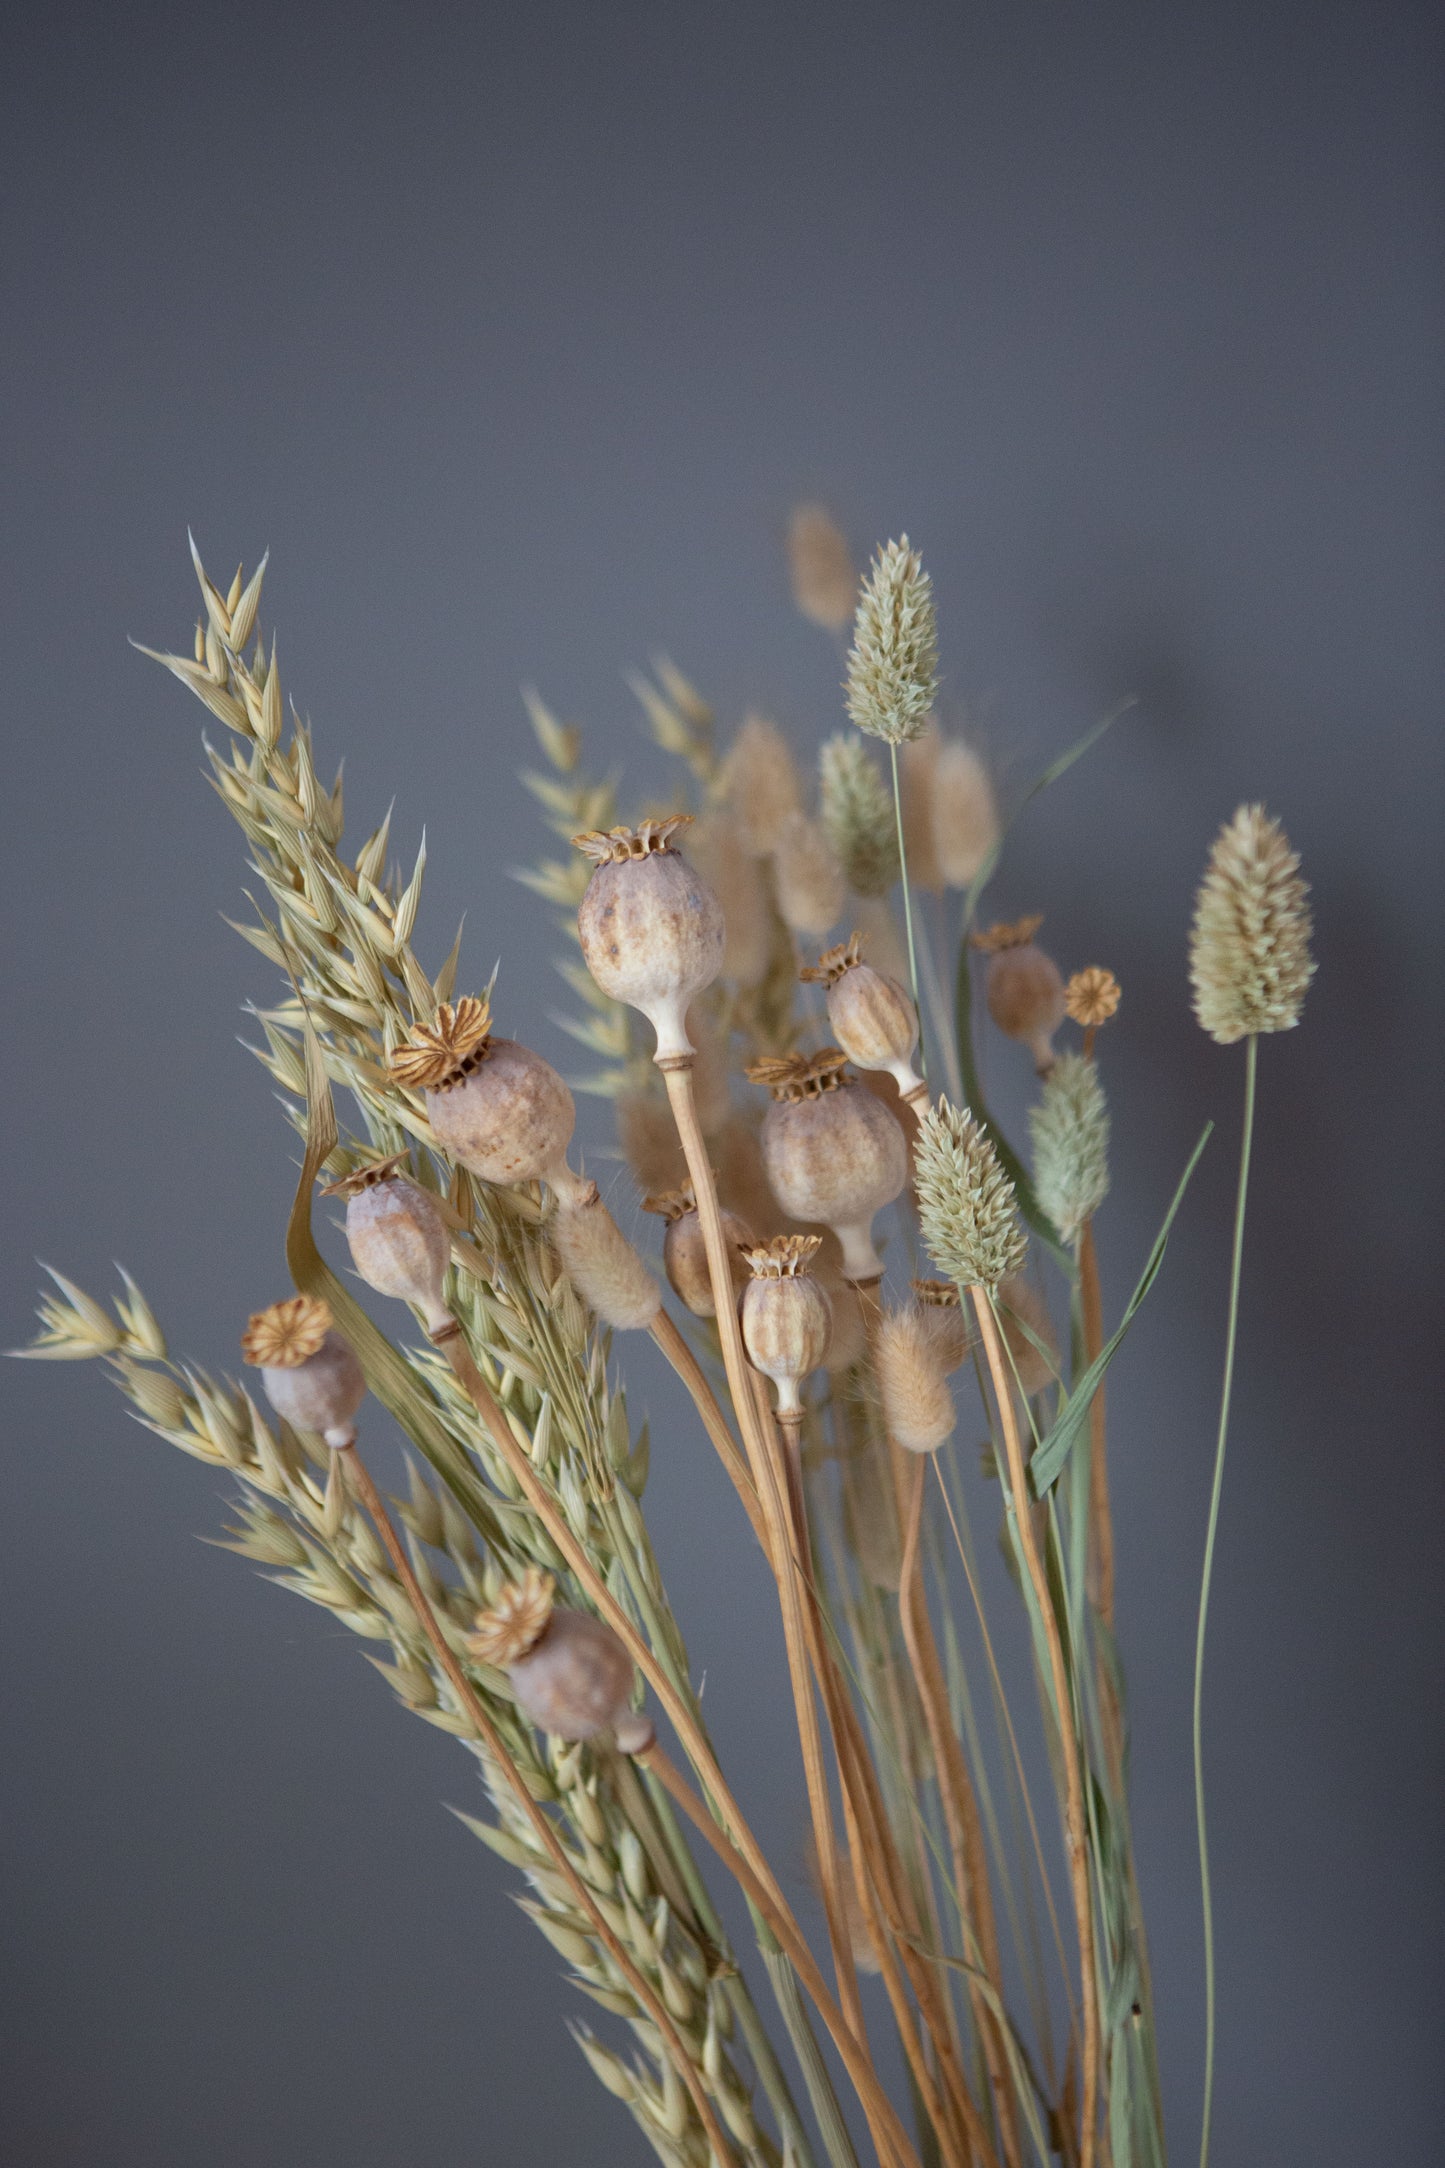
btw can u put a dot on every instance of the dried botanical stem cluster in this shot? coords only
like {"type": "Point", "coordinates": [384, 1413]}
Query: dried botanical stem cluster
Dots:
{"type": "Point", "coordinates": [794, 1179]}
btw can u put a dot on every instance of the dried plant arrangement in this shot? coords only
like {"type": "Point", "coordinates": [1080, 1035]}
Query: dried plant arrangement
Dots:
{"type": "Point", "coordinates": [858, 1270]}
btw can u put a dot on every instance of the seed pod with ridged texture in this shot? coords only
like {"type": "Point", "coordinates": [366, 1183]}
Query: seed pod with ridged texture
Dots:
{"type": "Point", "coordinates": [942, 1315]}
{"type": "Point", "coordinates": [604, 1267]}
{"type": "Point", "coordinates": [397, 1236]}
{"type": "Point", "coordinates": [834, 1154]}
{"type": "Point", "coordinates": [1025, 990]}
{"type": "Point", "coordinates": [495, 1106]}
{"type": "Point", "coordinates": [917, 1404]}
{"type": "Point", "coordinates": [570, 1673]}
{"type": "Point", "coordinates": [651, 928]}
{"type": "Point", "coordinates": [873, 1018]}
{"type": "Point", "coordinates": [785, 1315]}
{"type": "Point", "coordinates": [684, 1258]}
{"type": "Point", "coordinates": [310, 1375]}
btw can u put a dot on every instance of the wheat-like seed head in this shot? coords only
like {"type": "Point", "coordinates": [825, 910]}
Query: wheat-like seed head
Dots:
{"type": "Point", "coordinates": [604, 1267]}
{"type": "Point", "coordinates": [857, 811]}
{"type": "Point", "coordinates": [966, 1202]}
{"type": "Point", "coordinates": [1249, 954]}
{"type": "Point", "coordinates": [1070, 1127]}
{"type": "Point", "coordinates": [286, 1335]}
{"type": "Point", "coordinates": [893, 666]}
{"type": "Point", "coordinates": [821, 563]}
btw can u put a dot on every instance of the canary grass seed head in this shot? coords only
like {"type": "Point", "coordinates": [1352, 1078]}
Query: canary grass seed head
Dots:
{"type": "Point", "coordinates": [825, 584]}
{"type": "Point", "coordinates": [966, 1203]}
{"type": "Point", "coordinates": [893, 665]}
{"type": "Point", "coordinates": [1249, 953]}
{"type": "Point", "coordinates": [1070, 1130]}
{"type": "Point", "coordinates": [760, 784]}
{"type": "Point", "coordinates": [857, 812]}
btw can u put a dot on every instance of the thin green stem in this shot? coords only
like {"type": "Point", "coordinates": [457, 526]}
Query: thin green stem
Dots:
{"type": "Point", "coordinates": [1251, 1054]}
{"type": "Point", "coordinates": [908, 909]}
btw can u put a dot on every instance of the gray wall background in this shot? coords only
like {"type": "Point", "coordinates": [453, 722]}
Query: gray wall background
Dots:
{"type": "Point", "coordinates": [515, 334]}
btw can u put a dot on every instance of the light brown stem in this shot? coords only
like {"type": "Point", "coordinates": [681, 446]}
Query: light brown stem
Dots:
{"type": "Point", "coordinates": [685, 1363]}
{"type": "Point", "coordinates": [492, 1739]}
{"type": "Point", "coordinates": [1068, 1744]}
{"type": "Point", "coordinates": [1101, 1526]}
{"type": "Point", "coordinates": [762, 1456]}
{"type": "Point", "coordinates": [960, 1807]}
{"type": "Point", "coordinates": [852, 2052]}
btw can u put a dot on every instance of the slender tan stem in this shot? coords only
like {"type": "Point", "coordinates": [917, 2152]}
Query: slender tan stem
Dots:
{"type": "Point", "coordinates": [762, 1456]}
{"type": "Point", "coordinates": [685, 1363]}
{"type": "Point", "coordinates": [960, 1807]}
{"type": "Point", "coordinates": [492, 1739]}
{"type": "Point", "coordinates": [1101, 1526]}
{"type": "Point", "coordinates": [1068, 1743]}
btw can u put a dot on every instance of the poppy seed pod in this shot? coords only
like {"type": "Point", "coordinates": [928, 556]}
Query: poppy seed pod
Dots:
{"type": "Point", "coordinates": [397, 1236]}
{"type": "Point", "coordinates": [834, 1154]}
{"type": "Point", "coordinates": [569, 1671]}
{"type": "Point", "coordinates": [873, 1018]}
{"type": "Point", "coordinates": [785, 1315]}
{"type": "Point", "coordinates": [942, 1315]}
{"type": "Point", "coordinates": [1025, 990]}
{"type": "Point", "coordinates": [497, 1107]}
{"type": "Point", "coordinates": [651, 928]}
{"type": "Point", "coordinates": [310, 1375]}
{"type": "Point", "coordinates": [684, 1257]}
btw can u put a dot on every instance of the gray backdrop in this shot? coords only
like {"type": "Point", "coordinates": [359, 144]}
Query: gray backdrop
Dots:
{"type": "Point", "coordinates": [515, 333]}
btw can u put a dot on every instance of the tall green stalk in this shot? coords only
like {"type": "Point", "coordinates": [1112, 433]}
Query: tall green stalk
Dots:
{"type": "Point", "coordinates": [908, 908]}
{"type": "Point", "coordinates": [1251, 1061]}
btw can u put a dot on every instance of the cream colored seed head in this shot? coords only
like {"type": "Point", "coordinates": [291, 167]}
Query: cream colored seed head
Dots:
{"type": "Point", "coordinates": [825, 584]}
{"type": "Point", "coordinates": [917, 1404]}
{"type": "Point", "coordinates": [833, 1153]}
{"type": "Point", "coordinates": [785, 1315]}
{"type": "Point", "coordinates": [873, 1019]}
{"type": "Point", "coordinates": [918, 789]}
{"type": "Point", "coordinates": [309, 1373]}
{"type": "Point", "coordinates": [857, 811]}
{"type": "Point", "coordinates": [1070, 1127]}
{"type": "Point", "coordinates": [965, 815]}
{"type": "Point", "coordinates": [651, 928]}
{"type": "Point", "coordinates": [1249, 952]}
{"type": "Point", "coordinates": [397, 1236]}
{"type": "Point", "coordinates": [1024, 1317]}
{"type": "Point", "coordinates": [893, 666]}
{"type": "Point", "coordinates": [684, 1253]}
{"type": "Point", "coordinates": [966, 1204]}
{"type": "Point", "coordinates": [761, 785]}
{"type": "Point", "coordinates": [493, 1104]}
{"type": "Point", "coordinates": [943, 1318]}
{"type": "Point", "coordinates": [604, 1267]}
{"type": "Point", "coordinates": [807, 877]}
{"type": "Point", "coordinates": [1024, 989]}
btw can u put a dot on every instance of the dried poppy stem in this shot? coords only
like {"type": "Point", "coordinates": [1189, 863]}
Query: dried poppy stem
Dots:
{"type": "Point", "coordinates": [1075, 1826]}
{"type": "Point", "coordinates": [685, 1363]}
{"type": "Point", "coordinates": [366, 1490]}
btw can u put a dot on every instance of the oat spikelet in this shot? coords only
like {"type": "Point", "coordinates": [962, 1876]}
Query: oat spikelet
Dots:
{"type": "Point", "coordinates": [604, 1267]}
{"type": "Point", "coordinates": [825, 584]}
{"type": "Point", "coordinates": [808, 877]}
{"type": "Point", "coordinates": [1249, 954]}
{"type": "Point", "coordinates": [516, 1622]}
{"type": "Point", "coordinates": [286, 1335]}
{"type": "Point", "coordinates": [761, 785]}
{"type": "Point", "coordinates": [965, 1200]}
{"type": "Point", "coordinates": [857, 809]}
{"type": "Point", "coordinates": [439, 1052]}
{"type": "Point", "coordinates": [1091, 997]}
{"type": "Point", "coordinates": [965, 815]}
{"type": "Point", "coordinates": [893, 666]}
{"type": "Point", "coordinates": [1070, 1129]}
{"type": "Point", "coordinates": [917, 1404]}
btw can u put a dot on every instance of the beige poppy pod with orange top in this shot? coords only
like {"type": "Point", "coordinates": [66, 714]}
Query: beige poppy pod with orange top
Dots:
{"type": "Point", "coordinates": [494, 1105]}
{"type": "Point", "coordinates": [569, 1671]}
{"type": "Point", "coordinates": [1024, 987]}
{"type": "Point", "coordinates": [835, 1156]}
{"type": "Point", "coordinates": [684, 1254]}
{"type": "Point", "coordinates": [785, 1315]}
{"type": "Point", "coordinates": [310, 1374]}
{"type": "Point", "coordinates": [650, 926]}
{"type": "Point", "coordinates": [399, 1241]}
{"type": "Point", "coordinates": [872, 1016]}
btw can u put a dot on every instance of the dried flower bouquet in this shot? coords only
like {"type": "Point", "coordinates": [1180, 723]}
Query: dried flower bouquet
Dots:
{"type": "Point", "coordinates": [513, 1593]}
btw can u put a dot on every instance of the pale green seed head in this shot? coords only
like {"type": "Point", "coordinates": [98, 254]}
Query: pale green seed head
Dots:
{"type": "Point", "coordinates": [893, 666]}
{"type": "Point", "coordinates": [857, 809]}
{"type": "Point", "coordinates": [966, 1202]}
{"type": "Point", "coordinates": [1249, 953]}
{"type": "Point", "coordinates": [1070, 1128]}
